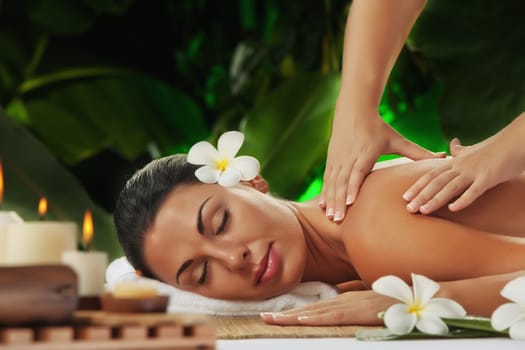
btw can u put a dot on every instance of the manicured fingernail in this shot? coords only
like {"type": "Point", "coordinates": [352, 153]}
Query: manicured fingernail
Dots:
{"type": "Point", "coordinates": [303, 318]}
{"type": "Point", "coordinates": [411, 206]}
{"type": "Point", "coordinates": [424, 208]}
{"type": "Point", "coordinates": [349, 200]}
{"type": "Point", "coordinates": [408, 196]}
{"type": "Point", "coordinates": [266, 314]}
{"type": "Point", "coordinates": [338, 216]}
{"type": "Point", "coordinates": [276, 315]}
{"type": "Point", "coordinates": [322, 203]}
{"type": "Point", "coordinates": [330, 212]}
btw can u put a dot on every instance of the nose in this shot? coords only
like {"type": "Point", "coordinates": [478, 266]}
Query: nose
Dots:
{"type": "Point", "coordinates": [234, 256]}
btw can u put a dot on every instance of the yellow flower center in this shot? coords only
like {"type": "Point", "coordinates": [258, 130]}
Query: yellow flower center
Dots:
{"type": "Point", "coordinates": [222, 164]}
{"type": "Point", "coordinates": [415, 309]}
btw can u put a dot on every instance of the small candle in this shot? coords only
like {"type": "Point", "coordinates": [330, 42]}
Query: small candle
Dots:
{"type": "Point", "coordinates": [89, 265]}
{"type": "Point", "coordinates": [6, 218]}
{"type": "Point", "coordinates": [134, 290]}
{"type": "Point", "coordinates": [39, 242]}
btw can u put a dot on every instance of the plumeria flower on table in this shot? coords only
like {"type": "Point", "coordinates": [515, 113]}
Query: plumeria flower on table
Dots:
{"type": "Point", "coordinates": [219, 165]}
{"type": "Point", "coordinates": [418, 309]}
{"type": "Point", "coordinates": [512, 315]}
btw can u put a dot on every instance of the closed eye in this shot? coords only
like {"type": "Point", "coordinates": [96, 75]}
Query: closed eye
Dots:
{"type": "Point", "coordinates": [225, 217]}
{"type": "Point", "coordinates": [202, 279]}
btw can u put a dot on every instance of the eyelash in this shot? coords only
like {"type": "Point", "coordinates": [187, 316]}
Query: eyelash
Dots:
{"type": "Point", "coordinates": [224, 221]}
{"type": "Point", "coordinates": [202, 279]}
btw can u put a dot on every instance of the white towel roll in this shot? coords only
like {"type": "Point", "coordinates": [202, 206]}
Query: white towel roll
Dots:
{"type": "Point", "coordinates": [120, 270]}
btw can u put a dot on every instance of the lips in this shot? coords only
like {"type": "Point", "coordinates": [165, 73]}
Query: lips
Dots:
{"type": "Point", "coordinates": [267, 267]}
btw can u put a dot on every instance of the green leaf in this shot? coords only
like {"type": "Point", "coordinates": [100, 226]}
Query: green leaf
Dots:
{"type": "Point", "coordinates": [466, 327]}
{"type": "Point", "coordinates": [13, 59]}
{"type": "Point", "coordinates": [79, 117]}
{"type": "Point", "coordinates": [476, 53]}
{"type": "Point", "coordinates": [472, 322]}
{"type": "Point", "coordinates": [289, 129]}
{"type": "Point", "coordinates": [32, 172]}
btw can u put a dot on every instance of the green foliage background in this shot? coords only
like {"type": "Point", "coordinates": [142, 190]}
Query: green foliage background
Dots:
{"type": "Point", "coordinates": [91, 90]}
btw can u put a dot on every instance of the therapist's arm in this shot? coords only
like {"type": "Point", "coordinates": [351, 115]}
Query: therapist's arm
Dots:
{"type": "Point", "coordinates": [375, 33]}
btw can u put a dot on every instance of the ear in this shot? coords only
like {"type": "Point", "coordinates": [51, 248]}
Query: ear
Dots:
{"type": "Point", "coordinates": [259, 183]}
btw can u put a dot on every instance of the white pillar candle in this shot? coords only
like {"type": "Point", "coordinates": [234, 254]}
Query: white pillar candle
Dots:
{"type": "Point", "coordinates": [39, 242]}
{"type": "Point", "coordinates": [90, 268]}
{"type": "Point", "coordinates": [6, 218]}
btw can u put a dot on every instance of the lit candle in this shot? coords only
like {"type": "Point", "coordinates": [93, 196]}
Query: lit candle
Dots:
{"type": "Point", "coordinates": [89, 265]}
{"type": "Point", "coordinates": [39, 242]}
{"type": "Point", "coordinates": [6, 218]}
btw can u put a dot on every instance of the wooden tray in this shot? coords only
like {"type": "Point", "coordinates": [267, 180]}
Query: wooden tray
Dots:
{"type": "Point", "coordinates": [99, 330]}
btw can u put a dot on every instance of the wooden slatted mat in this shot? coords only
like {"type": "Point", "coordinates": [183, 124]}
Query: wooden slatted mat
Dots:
{"type": "Point", "coordinates": [254, 327]}
{"type": "Point", "coordinates": [90, 330]}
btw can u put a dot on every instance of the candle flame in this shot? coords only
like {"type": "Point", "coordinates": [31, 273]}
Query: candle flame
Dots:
{"type": "Point", "coordinates": [87, 229]}
{"type": "Point", "coordinates": [42, 207]}
{"type": "Point", "coordinates": [1, 183]}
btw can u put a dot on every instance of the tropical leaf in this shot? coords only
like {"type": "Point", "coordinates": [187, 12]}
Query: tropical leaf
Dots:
{"type": "Point", "coordinates": [289, 129]}
{"type": "Point", "coordinates": [467, 327]}
{"type": "Point", "coordinates": [79, 117]}
{"type": "Point", "coordinates": [475, 49]}
{"type": "Point", "coordinates": [31, 172]}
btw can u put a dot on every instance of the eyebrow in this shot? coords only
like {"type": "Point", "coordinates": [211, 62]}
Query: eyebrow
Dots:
{"type": "Point", "coordinates": [200, 229]}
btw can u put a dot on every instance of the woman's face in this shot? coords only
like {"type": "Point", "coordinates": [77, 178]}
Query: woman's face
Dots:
{"type": "Point", "coordinates": [227, 243]}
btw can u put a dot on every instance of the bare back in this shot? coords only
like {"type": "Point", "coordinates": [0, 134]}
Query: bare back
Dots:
{"type": "Point", "coordinates": [382, 237]}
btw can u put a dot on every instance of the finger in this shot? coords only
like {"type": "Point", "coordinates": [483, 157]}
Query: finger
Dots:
{"type": "Point", "coordinates": [447, 193]}
{"type": "Point", "coordinates": [455, 147]}
{"type": "Point", "coordinates": [329, 318]}
{"type": "Point", "coordinates": [322, 195]}
{"type": "Point", "coordinates": [423, 181]}
{"type": "Point", "coordinates": [444, 181]}
{"type": "Point", "coordinates": [333, 186]}
{"type": "Point", "coordinates": [330, 193]}
{"type": "Point", "coordinates": [359, 172]}
{"type": "Point", "coordinates": [413, 151]}
{"type": "Point", "coordinates": [470, 195]}
{"type": "Point", "coordinates": [340, 194]}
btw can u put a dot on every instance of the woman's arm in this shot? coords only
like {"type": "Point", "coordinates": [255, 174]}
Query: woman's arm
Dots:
{"type": "Point", "coordinates": [479, 296]}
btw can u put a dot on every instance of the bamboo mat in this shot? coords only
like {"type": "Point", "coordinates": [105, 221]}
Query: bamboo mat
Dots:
{"type": "Point", "coordinates": [254, 327]}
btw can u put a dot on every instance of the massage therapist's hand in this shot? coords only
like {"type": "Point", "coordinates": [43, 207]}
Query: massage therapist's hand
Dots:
{"type": "Point", "coordinates": [355, 145]}
{"type": "Point", "coordinates": [472, 171]}
{"type": "Point", "coordinates": [350, 308]}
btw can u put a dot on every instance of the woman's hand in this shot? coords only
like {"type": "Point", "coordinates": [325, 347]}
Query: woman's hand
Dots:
{"type": "Point", "coordinates": [350, 308]}
{"type": "Point", "coordinates": [472, 171]}
{"type": "Point", "coordinates": [354, 147]}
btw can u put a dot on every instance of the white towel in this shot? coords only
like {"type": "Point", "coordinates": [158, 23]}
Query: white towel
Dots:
{"type": "Point", "coordinates": [120, 270]}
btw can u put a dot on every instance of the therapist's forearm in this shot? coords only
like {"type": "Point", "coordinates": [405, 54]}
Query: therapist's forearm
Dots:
{"type": "Point", "coordinates": [375, 33]}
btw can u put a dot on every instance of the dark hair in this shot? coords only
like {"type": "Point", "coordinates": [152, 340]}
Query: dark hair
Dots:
{"type": "Point", "coordinates": [140, 200]}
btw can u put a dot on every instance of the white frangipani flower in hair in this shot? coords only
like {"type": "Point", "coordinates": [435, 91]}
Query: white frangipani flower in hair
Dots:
{"type": "Point", "coordinates": [220, 165]}
{"type": "Point", "coordinates": [512, 315]}
{"type": "Point", "coordinates": [418, 309]}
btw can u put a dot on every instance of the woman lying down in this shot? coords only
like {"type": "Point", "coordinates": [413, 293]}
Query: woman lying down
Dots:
{"type": "Point", "coordinates": [240, 243]}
